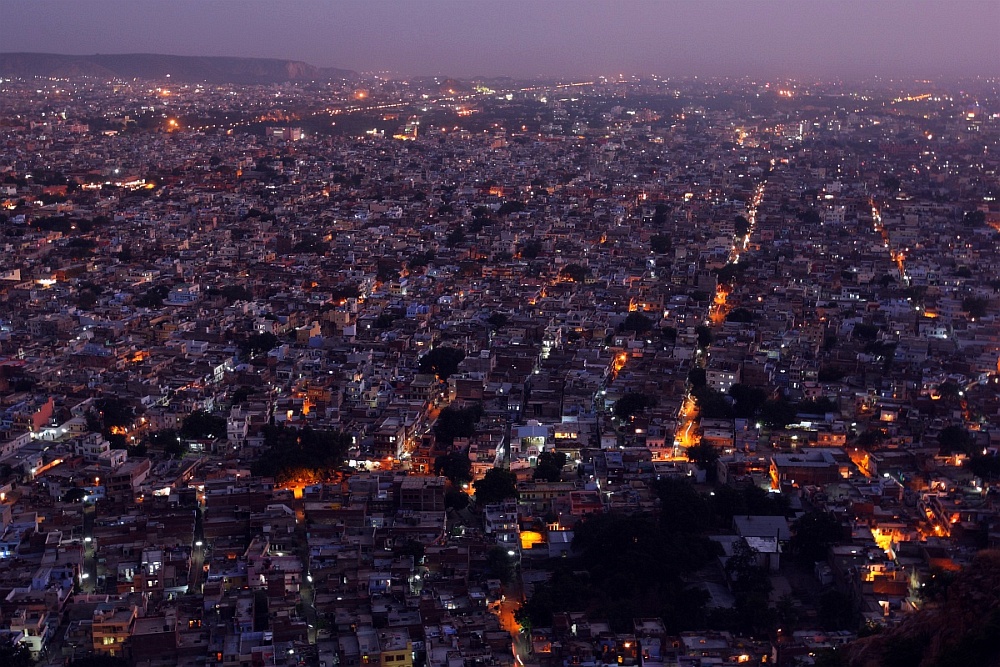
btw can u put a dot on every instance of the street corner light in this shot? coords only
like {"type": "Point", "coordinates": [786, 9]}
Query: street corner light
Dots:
{"type": "Point", "coordinates": [510, 552]}
{"type": "Point", "coordinates": [87, 539]}
{"type": "Point", "coordinates": [309, 578]}
{"type": "Point", "coordinates": [198, 543]}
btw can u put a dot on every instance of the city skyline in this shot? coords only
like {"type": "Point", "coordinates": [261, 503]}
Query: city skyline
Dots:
{"type": "Point", "coordinates": [522, 39]}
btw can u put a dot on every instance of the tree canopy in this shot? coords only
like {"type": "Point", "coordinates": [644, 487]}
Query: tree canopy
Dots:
{"type": "Point", "coordinates": [549, 466]}
{"type": "Point", "coordinates": [304, 456]}
{"type": "Point", "coordinates": [200, 424]}
{"type": "Point", "coordinates": [632, 404]}
{"type": "Point", "coordinates": [495, 486]}
{"type": "Point", "coordinates": [442, 361]}
{"type": "Point", "coordinates": [455, 422]}
{"type": "Point", "coordinates": [454, 465]}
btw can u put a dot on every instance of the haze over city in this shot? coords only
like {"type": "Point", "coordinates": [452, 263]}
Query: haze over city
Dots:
{"type": "Point", "coordinates": [824, 38]}
{"type": "Point", "coordinates": [511, 334]}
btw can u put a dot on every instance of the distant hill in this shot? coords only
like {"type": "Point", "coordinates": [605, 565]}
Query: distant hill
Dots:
{"type": "Point", "coordinates": [185, 69]}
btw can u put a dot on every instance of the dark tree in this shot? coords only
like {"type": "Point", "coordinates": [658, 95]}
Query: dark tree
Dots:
{"type": "Point", "coordinates": [660, 214]}
{"type": "Point", "coordinates": [456, 423]}
{"type": "Point", "coordinates": [831, 373]}
{"type": "Point", "coordinates": [15, 654]}
{"type": "Point", "coordinates": [456, 499]}
{"type": "Point", "coordinates": [497, 320]}
{"type": "Point", "coordinates": [660, 244]}
{"type": "Point", "coordinates": [153, 297]}
{"type": "Point", "coordinates": [865, 332]}
{"type": "Point", "coordinates": [813, 534]}
{"type": "Point", "coordinates": [739, 315]}
{"type": "Point", "coordinates": [632, 404]}
{"type": "Point", "coordinates": [549, 466]}
{"type": "Point", "coordinates": [495, 486]}
{"type": "Point", "coordinates": [509, 207]}
{"type": "Point", "coordinates": [456, 466]}
{"type": "Point", "coordinates": [500, 565]}
{"type": "Point", "coordinates": [168, 440]}
{"type": "Point", "coordinates": [574, 272]}
{"type": "Point", "coordinates": [706, 457]}
{"type": "Point", "coordinates": [455, 237]}
{"type": "Point", "coordinates": [442, 361]}
{"type": "Point", "coordinates": [974, 218]}
{"type": "Point", "coordinates": [954, 439]}
{"type": "Point", "coordinates": [531, 249]}
{"type": "Point", "coordinates": [637, 322]}
{"type": "Point", "coordinates": [683, 509]}
{"type": "Point", "coordinates": [301, 455]}
{"type": "Point", "coordinates": [201, 424]}
{"type": "Point", "coordinates": [704, 335]}
{"type": "Point", "coordinates": [712, 404]}
{"type": "Point", "coordinates": [258, 343]}
{"type": "Point", "coordinates": [976, 307]}
{"type": "Point", "coordinates": [777, 413]}
{"type": "Point", "coordinates": [744, 572]}
{"type": "Point", "coordinates": [747, 400]}
{"type": "Point", "coordinates": [741, 225]}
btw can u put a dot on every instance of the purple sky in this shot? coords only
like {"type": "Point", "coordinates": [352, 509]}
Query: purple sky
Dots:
{"type": "Point", "coordinates": [535, 37]}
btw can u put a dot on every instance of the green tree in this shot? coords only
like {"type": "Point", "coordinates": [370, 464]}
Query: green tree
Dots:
{"type": "Point", "coordinates": [496, 486]}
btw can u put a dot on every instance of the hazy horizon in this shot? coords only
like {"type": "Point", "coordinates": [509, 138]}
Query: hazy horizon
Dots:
{"type": "Point", "coordinates": [555, 38]}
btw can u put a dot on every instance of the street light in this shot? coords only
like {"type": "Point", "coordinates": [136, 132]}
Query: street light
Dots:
{"type": "Point", "coordinates": [198, 543]}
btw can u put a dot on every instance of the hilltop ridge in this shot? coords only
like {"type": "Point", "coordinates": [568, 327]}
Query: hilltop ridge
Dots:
{"type": "Point", "coordinates": [186, 69]}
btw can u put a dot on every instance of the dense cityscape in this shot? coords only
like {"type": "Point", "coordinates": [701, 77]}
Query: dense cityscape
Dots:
{"type": "Point", "coordinates": [431, 372]}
